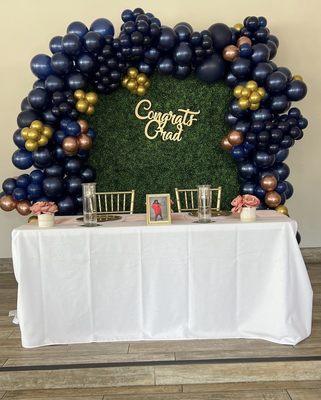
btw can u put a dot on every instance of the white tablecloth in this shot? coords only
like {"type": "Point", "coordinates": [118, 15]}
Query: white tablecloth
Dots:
{"type": "Point", "coordinates": [128, 281]}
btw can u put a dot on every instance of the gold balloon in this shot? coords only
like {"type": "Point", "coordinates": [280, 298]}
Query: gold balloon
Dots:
{"type": "Point", "coordinates": [33, 134]}
{"type": "Point", "coordinates": [132, 84]}
{"type": "Point", "coordinates": [84, 126]}
{"type": "Point", "coordinates": [147, 84]}
{"type": "Point", "coordinates": [132, 72]}
{"type": "Point", "coordinates": [225, 144]}
{"type": "Point", "coordinates": [24, 133]}
{"type": "Point", "coordinates": [141, 79]}
{"type": "Point", "coordinates": [92, 98]}
{"type": "Point", "coordinates": [251, 85]}
{"type": "Point", "coordinates": [125, 81]}
{"type": "Point", "coordinates": [243, 40]}
{"type": "Point", "coordinates": [235, 138]}
{"type": "Point", "coordinates": [23, 207]}
{"type": "Point", "coordinates": [245, 92]}
{"type": "Point", "coordinates": [42, 141]}
{"type": "Point", "coordinates": [70, 145]}
{"type": "Point", "coordinates": [33, 219]}
{"type": "Point", "coordinates": [79, 94]}
{"type": "Point", "coordinates": [230, 53]}
{"type": "Point", "coordinates": [297, 78]}
{"type": "Point", "coordinates": [84, 142]}
{"type": "Point", "coordinates": [238, 91]}
{"type": "Point", "coordinates": [255, 97]}
{"type": "Point", "coordinates": [268, 183]}
{"type": "Point", "coordinates": [90, 110]}
{"type": "Point", "coordinates": [47, 131]}
{"type": "Point", "coordinates": [141, 90]}
{"type": "Point", "coordinates": [31, 145]}
{"type": "Point", "coordinates": [238, 26]}
{"type": "Point", "coordinates": [7, 203]}
{"type": "Point", "coordinates": [282, 209]}
{"type": "Point", "coordinates": [36, 124]}
{"type": "Point", "coordinates": [82, 105]}
{"type": "Point", "coordinates": [272, 199]}
{"type": "Point", "coordinates": [254, 106]}
{"type": "Point", "coordinates": [243, 103]}
{"type": "Point", "coordinates": [261, 91]}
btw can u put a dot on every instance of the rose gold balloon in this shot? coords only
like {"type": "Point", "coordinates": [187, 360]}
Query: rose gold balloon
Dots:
{"type": "Point", "coordinates": [84, 126]}
{"type": "Point", "coordinates": [243, 40]}
{"type": "Point", "coordinates": [7, 203]}
{"type": "Point", "coordinates": [230, 53]}
{"type": "Point", "coordinates": [272, 199]}
{"type": "Point", "coordinates": [269, 183]}
{"type": "Point", "coordinates": [235, 138]}
{"type": "Point", "coordinates": [84, 142]}
{"type": "Point", "coordinates": [225, 144]}
{"type": "Point", "coordinates": [23, 207]}
{"type": "Point", "coordinates": [70, 145]}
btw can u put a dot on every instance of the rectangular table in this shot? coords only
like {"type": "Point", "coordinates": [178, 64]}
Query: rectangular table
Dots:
{"type": "Point", "coordinates": [128, 281]}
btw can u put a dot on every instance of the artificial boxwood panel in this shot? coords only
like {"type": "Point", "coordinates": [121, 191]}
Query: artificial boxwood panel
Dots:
{"type": "Point", "coordinates": [125, 159]}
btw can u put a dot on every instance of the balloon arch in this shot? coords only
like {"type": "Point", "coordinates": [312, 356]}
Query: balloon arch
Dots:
{"type": "Point", "coordinates": [54, 134]}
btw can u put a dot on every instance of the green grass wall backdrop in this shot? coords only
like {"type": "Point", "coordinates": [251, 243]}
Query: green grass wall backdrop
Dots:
{"type": "Point", "coordinates": [126, 159]}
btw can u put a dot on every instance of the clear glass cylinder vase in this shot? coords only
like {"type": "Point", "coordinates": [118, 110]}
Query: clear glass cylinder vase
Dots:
{"type": "Point", "coordinates": [89, 204]}
{"type": "Point", "coordinates": [204, 203]}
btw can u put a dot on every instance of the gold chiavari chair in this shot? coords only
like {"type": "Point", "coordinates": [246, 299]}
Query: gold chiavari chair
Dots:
{"type": "Point", "coordinates": [115, 202]}
{"type": "Point", "coordinates": [186, 199]}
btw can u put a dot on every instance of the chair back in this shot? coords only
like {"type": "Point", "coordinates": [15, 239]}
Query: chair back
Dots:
{"type": "Point", "coordinates": [115, 202]}
{"type": "Point", "coordinates": [186, 199]}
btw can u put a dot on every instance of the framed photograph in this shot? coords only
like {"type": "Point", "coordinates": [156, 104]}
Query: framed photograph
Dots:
{"type": "Point", "coordinates": [158, 208]}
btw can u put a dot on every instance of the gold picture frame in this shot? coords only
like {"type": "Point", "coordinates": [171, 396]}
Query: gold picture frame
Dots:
{"type": "Point", "coordinates": [156, 214]}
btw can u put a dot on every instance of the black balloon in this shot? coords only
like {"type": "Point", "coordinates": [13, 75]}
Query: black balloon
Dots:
{"type": "Point", "coordinates": [221, 35]}
{"type": "Point", "coordinates": [247, 170]}
{"type": "Point", "coordinates": [55, 170]}
{"type": "Point", "coordinates": [183, 54]}
{"type": "Point", "coordinates": [53, 187]}
{"type": "Point", "coordinates": [264, 160]}
{"type": "Point", "coordinates": [73, 166]}
{"type": "Point", "coordinates": [42, 157]}
{"type": "Point", "coordinates": [167, 39]}
{"type": "Point", "coordinates": [296, 90]}
{"type": "Point", "coordinates": [165, 66]}
{"type": "Point", "coordinates": [76, 81]}
{"type": "Point", "coordinates": [261, 53]}
{"type": "Point", "coordinates": [66, 206]}
{"type": "Point", "coordinates": [25, 105]}
{"type": "Point", "coordinates": [241, 68]}
{"type": "Point", "coordinates": [73, 184]}
{"type": "Point", "coordinates": [26, 117]}
{"type": "Point", "coordinates": [283, 170]}
{"type": "Point", "coordinates": [261, 72]}
{"type": "Point", "coordinates": [276, 82]}
{"type": "Point", "coordinates": [279, 103]}
{"type": "Point", "coordinates": [212, 69]}
{"type": "Point", "coordinates": [88, 174]}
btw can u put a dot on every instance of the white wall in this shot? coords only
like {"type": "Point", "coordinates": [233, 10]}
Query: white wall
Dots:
{"type": "Point", "coordinates": [28, 25]}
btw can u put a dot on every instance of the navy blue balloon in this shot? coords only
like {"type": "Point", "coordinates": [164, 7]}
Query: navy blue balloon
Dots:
{"type": "Point", "coordinates": [37, 176]}
{"type": "Point", "coordinates": [71, 44]}
{"type": "Point", "coordinates": [42, 157]}
{"type": "Point", "coordinates": [289, 190]}
{"type": "Point", "coordinates": [86, 63]}
{"type": "Point", "coordinates": [276, 82]}
{"type": "Point", "coordinates": [283, 170]}
{"type": "Point", "coordinates": [127, 15]}
{"type": "Point", "coordinates": [262, 115]}
{"type": "Point", "coordinates": [238, 153]}
{"type": "Point", "coordinates": [221, 35]}
{"type": "Point", "coordinates": [19, 194]}
{"type": "Point", "coordinates": [103, 26]}
{"type": "Point", "coordinates": [261, 72]}
{"type": "Point", "coordinates": [241, 68]}
{"type": "Point", "coordinates": [53, 187]}
{"type": "Point", "coordinates": [18, 139]}
{"type": "Point", "coordinates": [236, 110]}
{"type": "Point", "coordinates": [66, 206]}
{"type": "Point", "coordinates": [247, 170]}
{"type": "Point", "coordinates": [54, 83]}
{"type": "Point", "coordinates": [34, 191]}
{"type": "Point", "coordinates": [59, 136]}
{"type": "Point", "coordinates": [40, 66]}
{"type": "Point", "coordinates": [38, 98]}
{"type": "Point", "coordinates": [281, 187]}
{"type": "Point", "coordinates": [39, 84]}
{"type": "Point", "coordinates": [242, 126]}
{"type": "Point", "coordinates": [264, 160]}
{"type": "Point", "coordinates": [55, 170]}
{"type": "Point", "coordinates": [245, 50]}
{"type": "Point", "coordinates": [49, 118]}
{"type": "Point", "coordinates": [261, 53]}
{"type": "Point", "coordinates": [167, 39]}
{"type": "Point", "coordinates": [183, 32]}
{"type": "Point", "coordinates": [22, 159]}
{"type": "Point", "coordinates": [91, 133]}
{"type": "Point", "coordinates": [262, 22]}
{"type": "Point", "coordinates": [286, 72]}
{"type": "Point", "coordinates": [182, 71]}
{"type": "Point", "coordinates": [281, 155]}
{"type": "Point", "coordinates": [61, 64]}
{"type": "Point", "coordinates": [165, 66]}
{"type": "Point", "coordinates": [73, 128]}
{"type": "Point", "coordinates": [25, 105]}
{"type": "Point", "coordinates": [296, 90]}
{"type": "Point", "coordinates": [78, 28]}
{"type": "Point", "coordinates": [9, 185]}
{"type": "Point", "coordinates": [231, 80]}
{"type": "Point", "coordinates": [302, 123]}
{"type": "Point", "coordinates": [145, 68]}
{"type": "Point", "coordinates": [26, 117]}
{"type": "Point", "coordinates": [55, 44]}
{"type": "Point", "coordinates": [73, 184]}
{"type": "Point", "coordinates": [73, 166]}
{"type": "Point", "coordinates": [273, 48]}
{"type": "Point", "coordinates": [248, 188]}
{"type": "Point", "coordinates": [23, 181]}
{"type": "Point", "coordinates": [212, 69]}
{"type": "Point", "coordinates": [76, 81]}
{"type": "Point", "coordinates": [93, 42]}
{"type": "Point", "coordinates": [183, 54]}
{"type": "Point", "coordinates": [59, 154]}
{"type": "Point", "coordinates": [88, 174]}
{"type": "Point", "coordinates": [152, 55]}
{"type": "Point", "coordinates": [259, 192]}
{"type": "Point", "coordinates": [279, 103]}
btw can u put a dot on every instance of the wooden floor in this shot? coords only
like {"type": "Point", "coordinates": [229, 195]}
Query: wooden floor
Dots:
{"type": "Point", "coordinates": [196, 369]}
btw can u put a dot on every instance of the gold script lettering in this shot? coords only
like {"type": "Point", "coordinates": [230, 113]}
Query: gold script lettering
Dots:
{"type": "Point", "coordinates": [157, 121]}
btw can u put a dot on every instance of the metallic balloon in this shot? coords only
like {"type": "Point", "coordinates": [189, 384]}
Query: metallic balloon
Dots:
{"type": "Point", "coordinates": [272, 199]}
{"type": "Point", "coordinates": [90, 110]}
{"type": "Point", "coordinates": [268, 182]}
{"type": "Point", "coordinates": [238, 26]}
{"type": "Point", "coordinates": [36, 124]}
{"type": "Point", "coordinates": [297, 78]}
{"type": "Point", "coordinates": [225, 144]}
{"type": "Point", "coordinates": [70, 145]}
{"type": "Point", "coordinates": [235, 138]}
{"type": "Point", "coordinates": [23, 207]}
{"type": "Point", "coordinates": [92, 98]}
{"type": "Point", "coordinates": [230, 53]}
{"type": "Point", "coordinates": [84, 142]}
{"type": "Point", "coordinates": [79, 94]}
{"type": "Point", "coordinates": [82, 105]}
{"type": "Point", "coordinates": [243, 40]}
{"type": "Point", "coordinates": [282, 209]}
{"type": "Point", "coordinates": [84, 126]}
{"type": "Point", "coordinates": [238, 91]}
{"type": "Point", "coordinates": [47, 131]}
{"type": "Point", "coordinates": [7, 203]}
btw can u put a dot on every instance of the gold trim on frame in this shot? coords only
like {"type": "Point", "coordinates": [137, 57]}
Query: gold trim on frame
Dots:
{"type": "Point", "coordinates": [168, 202]}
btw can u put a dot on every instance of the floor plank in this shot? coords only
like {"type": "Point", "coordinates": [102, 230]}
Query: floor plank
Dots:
{"type": "Point", "coordinates": [305, 394]}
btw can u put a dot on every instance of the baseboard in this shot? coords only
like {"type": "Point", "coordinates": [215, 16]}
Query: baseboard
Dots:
{"type": "Point", "coordinates": [311, 255]}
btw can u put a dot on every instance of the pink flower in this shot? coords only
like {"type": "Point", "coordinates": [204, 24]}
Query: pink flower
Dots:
{"type": "Point", "coordinates": [237, 204]}
{"type": "Point", "coordinates": [44, 207]}
{"type": "Point", "coordinates": [250, 201]}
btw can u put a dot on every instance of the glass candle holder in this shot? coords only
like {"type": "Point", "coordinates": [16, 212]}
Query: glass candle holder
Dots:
{"type": "Point", "coordinates": [204, 203]}
{"type": "Point", "coordinates": [89, 204]}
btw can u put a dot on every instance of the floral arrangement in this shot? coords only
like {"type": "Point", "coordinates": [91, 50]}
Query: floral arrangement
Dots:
{"type": "Point", "coordinates": [44, 207]}
{"type": "Point", "coordinates": [247, 200]}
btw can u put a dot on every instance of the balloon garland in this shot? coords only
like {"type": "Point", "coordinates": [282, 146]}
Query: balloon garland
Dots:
{"type": "Point", "coordinates": [54, 137]}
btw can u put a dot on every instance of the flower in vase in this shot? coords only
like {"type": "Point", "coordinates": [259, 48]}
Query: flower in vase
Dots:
{"type": "Point", "coordinates": [44, 207]}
